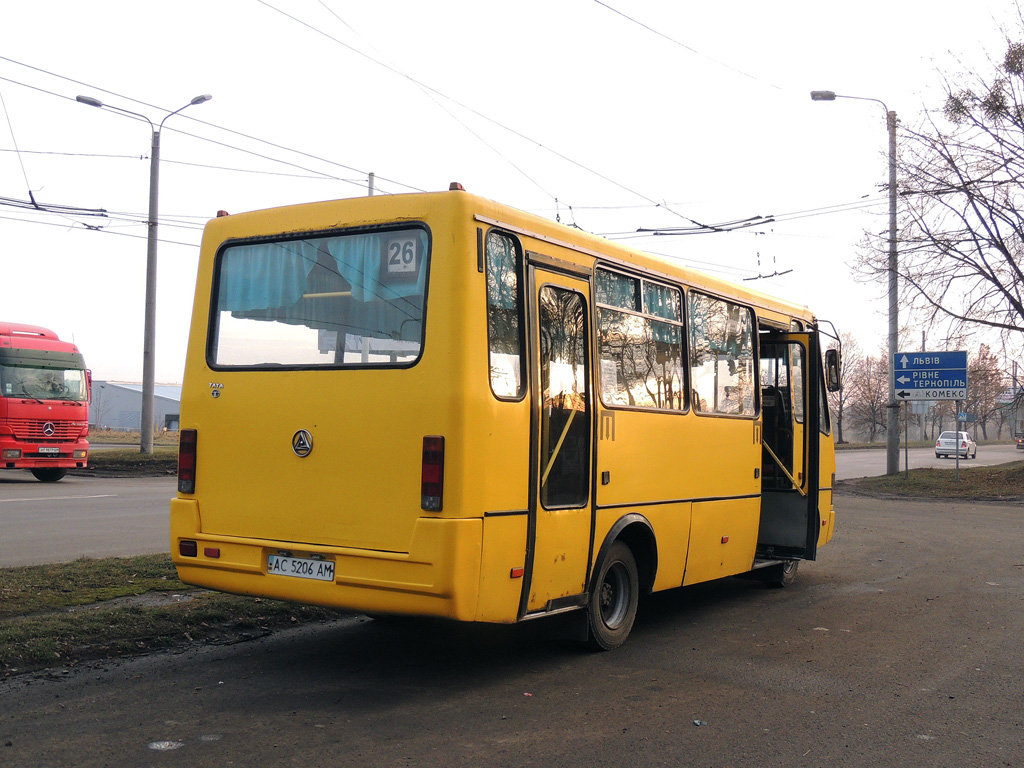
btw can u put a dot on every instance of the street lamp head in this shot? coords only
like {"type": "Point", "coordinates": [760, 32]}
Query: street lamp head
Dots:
{"type": "Point", "coordinates": [823, 95]}
{"type": "Point", "coordinates": [89, 100]}
{"type": "Point", "coordinates": [201, 99]}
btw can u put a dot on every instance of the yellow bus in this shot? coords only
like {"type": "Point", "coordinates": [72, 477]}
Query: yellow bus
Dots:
{"type": "Point", "coordinates": [437, 405]}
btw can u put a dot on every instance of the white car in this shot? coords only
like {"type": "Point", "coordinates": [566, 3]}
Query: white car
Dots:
{"type": "Point", "coordinates": [953, 443]}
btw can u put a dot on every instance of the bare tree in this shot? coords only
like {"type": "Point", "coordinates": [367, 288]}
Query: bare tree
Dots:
{"type": "Point", "coordinates": [961, 183]}
{"type": "Point", "coordinates": [987, 383]}
{"type": "Point", "coordinates": [840, 402]}
{"type": "Point", "coordinates": [870, 384]}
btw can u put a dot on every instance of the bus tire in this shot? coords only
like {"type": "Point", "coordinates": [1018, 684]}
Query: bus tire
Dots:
{"type": "Point", "coordinates": [611, 606]}
{"type": "Point", "coordinates": [49, 474]}
{"type": "Point", "coordinates": [781, 575]}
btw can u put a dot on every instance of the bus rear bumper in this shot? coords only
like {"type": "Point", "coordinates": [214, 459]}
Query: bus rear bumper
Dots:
{"type": "Point", "coordinates": [439, 576]}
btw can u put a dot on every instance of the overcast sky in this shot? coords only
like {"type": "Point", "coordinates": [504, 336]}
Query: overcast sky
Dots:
{"type": "Point", "coordinates": [614, 115]}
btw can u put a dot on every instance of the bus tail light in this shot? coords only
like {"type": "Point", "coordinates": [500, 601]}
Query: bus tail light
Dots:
{"type": "Point", "coordinates": [187, 461]}
{"type": "Point", "coordinates": [432, 474]}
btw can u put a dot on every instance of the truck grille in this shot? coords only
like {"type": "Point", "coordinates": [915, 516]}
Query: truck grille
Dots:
{"type": "Point", "coordinates": [32, 429]}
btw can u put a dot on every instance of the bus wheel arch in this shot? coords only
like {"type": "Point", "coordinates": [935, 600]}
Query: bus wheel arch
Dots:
{"type": "Point", "coordinates": [625, 568]}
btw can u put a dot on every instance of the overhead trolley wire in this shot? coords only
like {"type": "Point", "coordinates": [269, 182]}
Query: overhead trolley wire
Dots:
{"type": "Point", "coordinates": [479, 114]}
{"type": "Point", "coordinates": [207, 124]}
{"type": "Point", "coordinates": [692, 50]}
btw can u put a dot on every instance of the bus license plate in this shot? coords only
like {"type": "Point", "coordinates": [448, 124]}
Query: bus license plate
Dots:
{"type": "Point", "coordinates": [300, 567]}
{"type": "Point", "coordinates": [50, 450]}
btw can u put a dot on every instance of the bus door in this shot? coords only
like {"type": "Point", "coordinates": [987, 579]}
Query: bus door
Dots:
{"type": "Point", "coordinates": [561, 435]}
{"type": "Point", "coordinates": [790, 377]}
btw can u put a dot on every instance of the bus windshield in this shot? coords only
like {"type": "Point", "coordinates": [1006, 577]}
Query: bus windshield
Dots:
{"type": "Point", "coordinates": [43, 383]}
{"type": "Point", "coordinates": [333, 300]}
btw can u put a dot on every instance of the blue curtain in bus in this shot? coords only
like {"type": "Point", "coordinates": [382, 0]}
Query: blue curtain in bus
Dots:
{"type": "Point", "coordinates": [271, 275]}
{"type": "Point", "coordinates": [661, 301]}
{"type": "Point", "coordinates": [264, 275]}
{"type": "Point", "coordinates": [358, 259]}
{"type": "Point", "coordinates": [616, 290]}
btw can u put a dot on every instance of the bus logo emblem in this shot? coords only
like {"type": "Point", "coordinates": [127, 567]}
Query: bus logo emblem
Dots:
{"type": "Point", "coordinates": [302, 443]}
{"type": "Point", "coordinates": [49, 429]}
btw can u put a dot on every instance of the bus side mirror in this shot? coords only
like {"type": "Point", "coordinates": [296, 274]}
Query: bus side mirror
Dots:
{"type": "Point", "coordinates": [832, 380]}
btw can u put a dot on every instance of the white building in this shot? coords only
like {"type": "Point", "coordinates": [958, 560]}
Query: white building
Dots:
{"type": "Point", "coordinates": [118, 405]}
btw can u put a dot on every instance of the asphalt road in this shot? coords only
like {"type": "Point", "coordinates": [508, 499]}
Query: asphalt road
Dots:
{"type": "Point", "coordinates": [869, 462]}
{"type": "Point", "coordinates": [82, 517]}
{"type": "Point", "coordinates": [104, 517]}
{"type": "Point", "coordinates": [902, 646]}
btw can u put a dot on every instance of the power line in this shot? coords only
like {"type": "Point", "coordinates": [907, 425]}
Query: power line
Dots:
{"type": "Point", "coordinates": [174, 130]}
{"type": "Point", "coordinates": [319, 176]}
{"type": "Point", "coordinates": [479, 114]}
{"type": "Point", "coordinates": [687, 47]}
{"type": "Point", "coordinates": [429, 90]}
{"type": "Point", "coordinates": [447, 111]}
{"type": "Point", "coordinates": [95, 229]}
{"type": "Point", "coordinates": [15, 140]}
{"type": "Point", "coordinates": [200, 122]}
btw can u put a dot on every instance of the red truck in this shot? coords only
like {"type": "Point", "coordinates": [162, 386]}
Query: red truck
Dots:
{"type": "Point", "coordinates": [44, 402]}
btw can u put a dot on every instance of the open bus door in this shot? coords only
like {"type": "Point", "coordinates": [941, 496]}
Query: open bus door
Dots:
{"type": "Point", "coordinates": [791, 380]}
{"type": "Point", "coordinates": [562, 430]}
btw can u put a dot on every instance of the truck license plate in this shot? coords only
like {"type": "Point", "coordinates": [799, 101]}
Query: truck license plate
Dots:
{"type": "Point", "coordinates": [50, 450]}
{"type": "Point", "coordinates": [300, 567]}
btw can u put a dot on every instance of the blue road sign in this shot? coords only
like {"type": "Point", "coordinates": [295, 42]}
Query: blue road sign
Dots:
{"type": "Point", "coordinates": [930, 375]}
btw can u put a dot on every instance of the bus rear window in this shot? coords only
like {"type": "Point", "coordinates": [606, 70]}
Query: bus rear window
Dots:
{"type": "Point", "coordinates": [339, 300]}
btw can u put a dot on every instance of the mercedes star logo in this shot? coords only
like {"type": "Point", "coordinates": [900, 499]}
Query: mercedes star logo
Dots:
{"type": "Point", "coordinates": [49, 429]}
{"type": "Point", "coordinates": [302, 443]}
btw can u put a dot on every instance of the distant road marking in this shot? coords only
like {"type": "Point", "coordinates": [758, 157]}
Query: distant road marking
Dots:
{"type": "Point", "coordinates": [62, 498]}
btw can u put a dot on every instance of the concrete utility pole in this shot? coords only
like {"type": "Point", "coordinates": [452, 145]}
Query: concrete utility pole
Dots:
{"type": "Point", "coordinates": [149, 337]}
{"type": "Point", "coordinates": [892, 421]}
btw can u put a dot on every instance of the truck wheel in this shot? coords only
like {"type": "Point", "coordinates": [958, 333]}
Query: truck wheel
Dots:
{"type": "Point", "coordinates": [49, 474]}
{"type": "Point", "coordinates": [611, 607]}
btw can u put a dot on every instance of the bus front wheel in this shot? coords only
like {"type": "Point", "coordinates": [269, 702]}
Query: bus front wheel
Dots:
{"type": "Point", "coordinates": [49, 474]}
{"type": "Point", "coordinates": [781, 575]}
{"type": "Point", "coordinates": [612, 604]}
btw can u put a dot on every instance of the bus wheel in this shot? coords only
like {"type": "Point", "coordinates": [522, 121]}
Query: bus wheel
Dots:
{"type": "Point", "coordinates": [49, 474]}
{"type": "Point", "coordinates": [781, 575]}
{"type": "Point", "coordinates": [611, 607]}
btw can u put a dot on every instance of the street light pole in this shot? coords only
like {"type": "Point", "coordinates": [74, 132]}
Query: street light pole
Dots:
{"type": "Point", "coordinates": [892, 421]}
{"type": "Point", "coordinates": [149, 338]}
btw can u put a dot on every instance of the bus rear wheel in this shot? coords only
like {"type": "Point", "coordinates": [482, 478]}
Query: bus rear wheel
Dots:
{"type": "Point", "coordinates": [612, 604]}
{"type": "Point", "coordinates": [49, 474]}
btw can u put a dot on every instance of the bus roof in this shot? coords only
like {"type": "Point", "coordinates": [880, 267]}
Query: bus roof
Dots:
{"type": "Point", "coordinates": [374, 209]}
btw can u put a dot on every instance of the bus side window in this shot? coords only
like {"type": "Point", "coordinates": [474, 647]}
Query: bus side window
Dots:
{"type": "Point", "coordinates": [721, 356]}
{"type": "Point", "coordinates": [505, 326]}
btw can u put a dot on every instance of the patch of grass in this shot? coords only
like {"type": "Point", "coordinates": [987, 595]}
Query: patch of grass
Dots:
{"type": "Point", "coordinates": [37, 588]}
{"type": "Point", "coordinates": [998, 483]}
{"type": "Point", "coordinates": [163, 460]}
{"type": "Point", "coordinates": [58, 615]}
{"type": "Point", "coordinates": [121, 437]}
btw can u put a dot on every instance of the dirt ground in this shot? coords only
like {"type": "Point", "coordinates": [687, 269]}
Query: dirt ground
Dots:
{"type": "Point", "coordinates": [902, 645]}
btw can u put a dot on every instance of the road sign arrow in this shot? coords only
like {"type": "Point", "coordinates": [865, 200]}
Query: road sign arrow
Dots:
{"type": "Point", "coordinates": [904, 361]}
{"type": "Point", "coordinates": [902, 379]}
{"type": "Point", "coordinates": [903, 394]}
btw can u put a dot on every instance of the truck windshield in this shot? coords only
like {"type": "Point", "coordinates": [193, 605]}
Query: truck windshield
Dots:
{"type": "Point", "coordinates": [43, 383]}
{"type": "Point", "coordinates": [331, 300]}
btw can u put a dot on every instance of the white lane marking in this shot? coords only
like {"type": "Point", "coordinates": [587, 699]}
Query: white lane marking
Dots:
{"type": "Point", "coordinates": [62, 498]}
